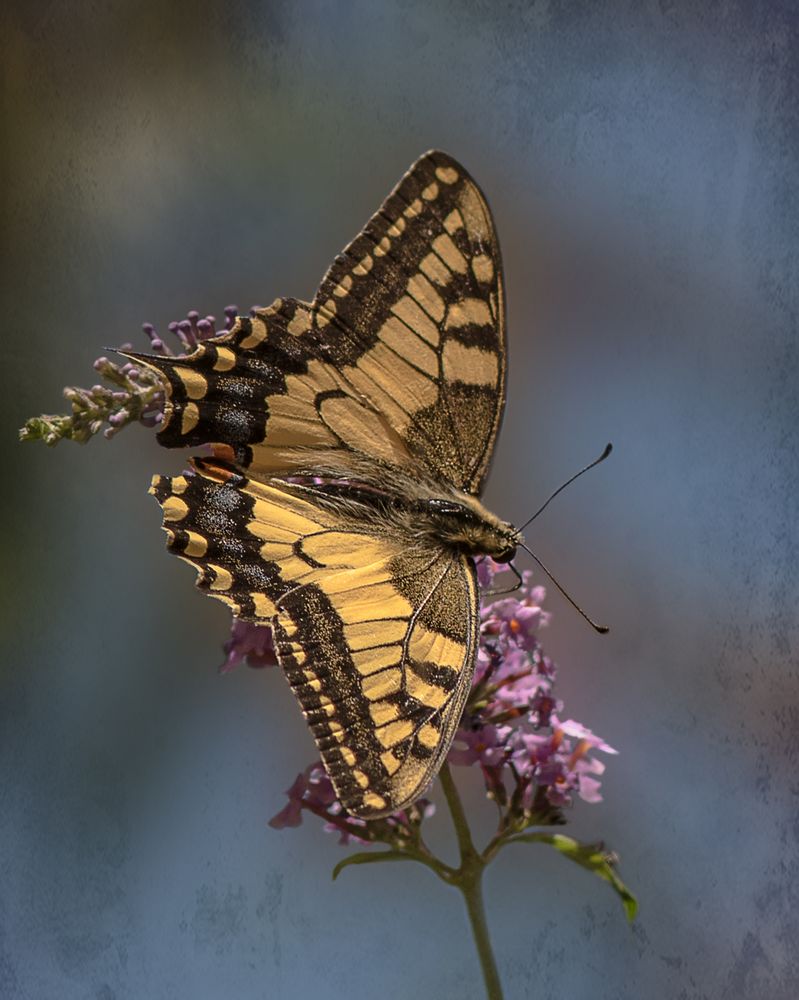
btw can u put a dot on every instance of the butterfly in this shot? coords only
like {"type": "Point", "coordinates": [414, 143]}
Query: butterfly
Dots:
{"type": "Point", "coordinates": [350, 442]}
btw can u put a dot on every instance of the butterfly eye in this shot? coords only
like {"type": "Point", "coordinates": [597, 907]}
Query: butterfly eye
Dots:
{"type": "Point", "coordinates": [505, 557]}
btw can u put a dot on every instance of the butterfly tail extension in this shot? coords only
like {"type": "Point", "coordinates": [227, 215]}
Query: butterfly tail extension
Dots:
{"type": "Point", "coordinates": [220, 392]}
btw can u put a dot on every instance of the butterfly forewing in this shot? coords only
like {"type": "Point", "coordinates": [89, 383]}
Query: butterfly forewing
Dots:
{"type": "Point", "coordinates": [400, 358]}
{"type": "Point", "coordinates": [375, 633]}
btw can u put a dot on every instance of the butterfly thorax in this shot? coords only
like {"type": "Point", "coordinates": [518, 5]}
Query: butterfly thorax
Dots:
{"type": "Point", "coordinates": [462, 522]}
{"type": "Point", "coordinates": [418, 507]}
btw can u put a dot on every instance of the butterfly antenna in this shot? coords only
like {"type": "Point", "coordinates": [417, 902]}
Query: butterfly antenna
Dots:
{"type": "Point", "coordinates": [602, 457]}
{"type": "Point", "coordinates": [602, 629]}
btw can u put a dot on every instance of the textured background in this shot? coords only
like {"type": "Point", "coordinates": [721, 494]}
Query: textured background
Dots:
{"type": "Point", "coordinates": [641, 161]}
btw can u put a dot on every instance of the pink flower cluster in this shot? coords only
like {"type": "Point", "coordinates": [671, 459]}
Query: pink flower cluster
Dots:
{"type": "Point", "coordinates": [512, 727]}
{"type": "Point", "coordinates": [313, 790]}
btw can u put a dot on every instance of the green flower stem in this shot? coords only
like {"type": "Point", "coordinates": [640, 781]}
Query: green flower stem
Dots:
{"type": "Point", "coordinates": [473, 894]}
{"type": "Point", "coordinates": [469, 880]}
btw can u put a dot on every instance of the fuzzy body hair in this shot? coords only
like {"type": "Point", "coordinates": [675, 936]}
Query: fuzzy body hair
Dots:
{"type": "Point", "coordinates": [408, 501]}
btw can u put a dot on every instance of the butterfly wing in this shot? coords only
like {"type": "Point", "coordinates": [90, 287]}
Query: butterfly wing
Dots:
{"type": "Point", "coordinates": [412, 313]}
{"type": "Point", "coordinates": [401, 356]}
{"type": "Point", "coordinates": [263, 397]}
{"type": "Point", "coordinates": [376, 633]}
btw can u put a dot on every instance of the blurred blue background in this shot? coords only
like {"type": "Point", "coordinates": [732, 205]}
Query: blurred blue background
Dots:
{"type": "Point", "coordinates": [641, 163]}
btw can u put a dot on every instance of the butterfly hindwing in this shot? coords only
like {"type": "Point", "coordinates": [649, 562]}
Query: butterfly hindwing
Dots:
{"type": "Point", "coordinates": [263, 397]}
{"type": "Point", "coordinates": [382, 677]}
{"type": "Point", "coordinates": [401, 357]}
{"type": "Point", "coordinates": [376, 633]}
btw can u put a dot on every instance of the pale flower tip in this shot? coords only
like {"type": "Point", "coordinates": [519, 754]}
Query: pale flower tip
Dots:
{"type": "Point", "coordinates": [588, 789]}
{"type": "Point", "coordinates": [290, 815]}
{"type": "Point", "coordinates": [156, 344]}
{"type": "Point", "coordinates": [183, 331]}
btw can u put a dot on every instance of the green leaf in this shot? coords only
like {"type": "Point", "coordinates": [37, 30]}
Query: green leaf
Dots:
{"type": "Point", "coordinates": [593, 857]}
{"type": "Point", "coordinates": [368, 858]}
